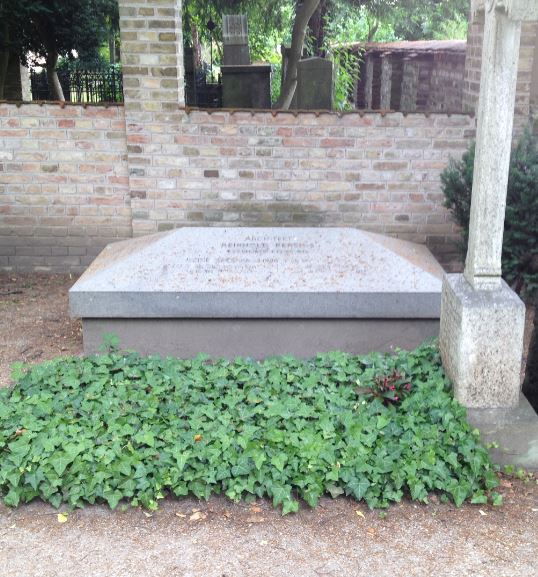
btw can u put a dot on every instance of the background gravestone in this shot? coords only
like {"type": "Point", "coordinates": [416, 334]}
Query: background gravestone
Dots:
{"type": "Point", "coordinates": [244, 85]}
{"type": "Point", "coordinates": [235, 39]}
{"type": "Point", "coordinates": [315, 84]}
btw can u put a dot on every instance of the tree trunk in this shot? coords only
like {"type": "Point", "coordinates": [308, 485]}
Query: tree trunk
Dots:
{"type": "Point", "coordinates": [4, 59]}
{"type": "Point", "coordinates": [112, 46]}
{"type": "Point", "coordinates": [372, 30]}
{"type": "Point", "coordinates": [4, 62]}
{"type": "Point", "coordinates": [316, 25]}
{"type": "Point", "coordinates": [196, 47]}
{"type": "Point", "coordinates": [55, 88]}
{"type": "Point", "coordinates": [302, 16]}
{"type": "Point", "coordinates": [45, 31]}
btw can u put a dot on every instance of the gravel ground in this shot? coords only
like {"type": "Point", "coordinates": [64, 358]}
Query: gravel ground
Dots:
{"type": "Point", "coordinates": [186, 538]}
{"type": "Point", "coordinates": [219, 539]}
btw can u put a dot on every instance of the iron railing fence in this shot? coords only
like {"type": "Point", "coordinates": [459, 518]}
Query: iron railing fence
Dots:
{"type": "Point", "coordinates": [94, 86]}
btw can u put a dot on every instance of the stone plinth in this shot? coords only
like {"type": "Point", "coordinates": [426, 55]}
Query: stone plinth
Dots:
{"type": "Point", "coordinates": [260, 292]}
{"type": "Point", "coordinates": [480, 340]}
{"type": "Point", "coordinates": [246, 86]}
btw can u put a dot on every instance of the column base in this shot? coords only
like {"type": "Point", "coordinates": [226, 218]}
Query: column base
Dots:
{"type": "Point", "coordinates": [481, 342]}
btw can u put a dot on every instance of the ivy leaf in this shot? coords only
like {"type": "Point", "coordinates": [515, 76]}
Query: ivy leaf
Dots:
{"type": "Point", "coordinates": [358, 487]}
{"type": "Point", "coordinates": [60, 463]}
{"type": "Point", "coordinates": [279, 461]}
{"type": "Point", "coordinates": [459, 494]}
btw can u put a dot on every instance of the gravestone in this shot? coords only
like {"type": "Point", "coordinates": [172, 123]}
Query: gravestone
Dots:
{"type": "Point", "coordinates": [235, 40]}
{"type": "Point", "coordinates": [244, 85]}
{"type": "Point", "coordinates": [315, 84]}
{"type": "Point", "coordinates": [260, 292]}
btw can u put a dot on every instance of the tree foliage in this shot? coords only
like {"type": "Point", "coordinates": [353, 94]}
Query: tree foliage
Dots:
{"type": "Point", "coordinates": [49, 29]}
{"type": "Point", "coordinates": [268, 21]}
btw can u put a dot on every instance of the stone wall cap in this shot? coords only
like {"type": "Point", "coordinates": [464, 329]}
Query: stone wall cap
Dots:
{"type": "Point", "coordinates": [403, 46]}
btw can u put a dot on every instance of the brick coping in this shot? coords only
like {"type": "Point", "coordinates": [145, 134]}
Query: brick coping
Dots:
{"type": "Point", "coordinates": [252, 111]}
{"type": "Point", "coordinates": [61, 103]}
{"type": "Point", "coordinates": [338, 113]}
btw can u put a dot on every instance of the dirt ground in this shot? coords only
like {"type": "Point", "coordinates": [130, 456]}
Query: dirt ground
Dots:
{"type": "Point", "coordinates": [34, 320]}
{"type": "Point", "coordinates": [186, 538]}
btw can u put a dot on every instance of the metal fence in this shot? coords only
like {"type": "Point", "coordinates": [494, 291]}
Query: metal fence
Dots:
{"type": "Point", "coordinates": [103, 85]}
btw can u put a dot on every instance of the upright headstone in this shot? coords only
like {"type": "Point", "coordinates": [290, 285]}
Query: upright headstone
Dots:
{"type": "Point", "coordinates": [235, 40]}
{"type": "Point", "coordinates": [315, 84]}
{"type": "Point", "coordinates": [244, 85]}
{"type": "Point", "coordinates": [482, 320]}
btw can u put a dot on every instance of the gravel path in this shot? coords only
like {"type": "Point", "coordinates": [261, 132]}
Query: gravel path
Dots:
{"type": "Point", "coordinates": [186, 538]}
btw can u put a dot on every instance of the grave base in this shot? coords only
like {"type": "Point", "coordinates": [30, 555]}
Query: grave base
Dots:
{"type": "Point", "coordinates": [481, 341]}
{"type": "Point", "coordinates": [258, 338]}
{"type": "Point", "coordinates": [514, 433]}
{"type": "Point", "coordinates": [260, 292]}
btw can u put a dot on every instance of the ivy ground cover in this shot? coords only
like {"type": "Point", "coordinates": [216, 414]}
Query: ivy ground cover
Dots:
{"type": "Point", "coordinates": [124, 427]}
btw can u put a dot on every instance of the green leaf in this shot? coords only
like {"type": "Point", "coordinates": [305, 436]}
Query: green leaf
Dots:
{"type": "Point", "coordinates": [359, 487]}
{"type": "Point", "coordinates": [459, 494]}
{"type": "Point", "coordinates": [496, 499]}
{"type": "Point", "coordinates": [60, 463]}
{"type": "Point", "coordinates": [382, 421]}
{"type": "Point", "coordinates": [279, 461]}
{"type": "Point", "coordinates": [479, 499]}
{"type": "Point", "coordinates": [290, 506]}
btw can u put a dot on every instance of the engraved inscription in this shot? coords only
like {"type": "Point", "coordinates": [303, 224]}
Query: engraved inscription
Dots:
{"type": "Point", "coordinates": [257, 252]}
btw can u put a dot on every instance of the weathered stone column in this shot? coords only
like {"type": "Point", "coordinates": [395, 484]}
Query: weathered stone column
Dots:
{"type": "Point", "coordinates": [153, 86]}
{"type": "Point", "coordinates": [368, 85]}
{"type": "Point", "coordinates": [493, 147]}
{"type": "Point", "coordinates": [408, 102]}
{"type": "Point", "coordinates": [386, 80]}
{"type": "Point", "coordinates": [482, 320]}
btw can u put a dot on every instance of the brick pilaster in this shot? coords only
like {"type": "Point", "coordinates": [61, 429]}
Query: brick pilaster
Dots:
{"type": "Point", "coordinates": [153, 77]}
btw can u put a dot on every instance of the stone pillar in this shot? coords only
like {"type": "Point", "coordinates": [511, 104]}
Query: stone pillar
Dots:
{"type": "Point", "coordinates": [410, 74]}
{"type": "Point", "coordinates": [386, 81]}
{"type": "Point", "coordinates": [482, 320]}
{"type": "Point", "coordinates": [493, 148]}
{"type": "Point", "coordinates": [369, 84]}
{"type": "Point", "coordinates": [153, 85]}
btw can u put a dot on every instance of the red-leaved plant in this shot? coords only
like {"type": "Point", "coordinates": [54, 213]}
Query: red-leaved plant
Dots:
{"type": "Point", "coordinates": [391, 389]}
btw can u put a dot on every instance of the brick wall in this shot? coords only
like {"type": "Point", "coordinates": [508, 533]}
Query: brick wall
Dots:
{"type": "Point", "coordinates": [65, 190]}
{"type": "Point", "coordinates": [74, 178]}
{"type": "Point", "coordinates": [431, 81]}
{"type": "Point", "coordinates": [524, 91]}
{"type": "Point", "coordinates": [378, 172]}
{"type": "Point", "coordinates": [63, 185]}
{"type": "Point", "coordinates": [446, 84]}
